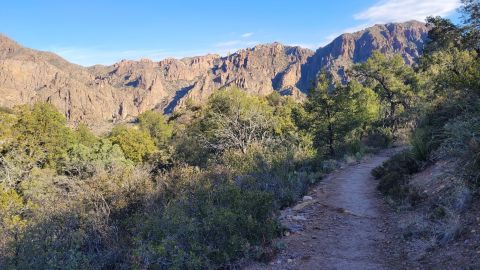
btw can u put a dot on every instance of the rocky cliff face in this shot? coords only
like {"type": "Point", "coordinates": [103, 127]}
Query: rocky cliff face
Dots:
{"type": "Point", "coordinates": [100, 94]}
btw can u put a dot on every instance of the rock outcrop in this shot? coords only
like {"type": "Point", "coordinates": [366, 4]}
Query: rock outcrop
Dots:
{"type": "Point", "coordinates": [102, 94]}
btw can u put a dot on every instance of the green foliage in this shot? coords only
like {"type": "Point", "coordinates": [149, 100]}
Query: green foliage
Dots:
{"type": "Point", "coordinates": [84, 161]}
{"type": "Point", "coordinates": [337, 115]}
{"type": "Point", "coordinates": [12, 219]}
{"type": "Point", "coordinates": [453, 74]}
{"type": "Point", "coordinates": [235, 120]}
{"type": "Point", "coordinates": [379, 137]}
{"type": "Point", "coordinates": [283, 107]}
{"type": "Point", "coordinates": [137, 145]}
{"type": "Point", "coordinates": [84, 136]}
{"type": "Point", "coordinates": [211, 228]}
{"type": "Point", "coordinates": [285, 172]}
{"type": "Point", "coordinates": [393, 176]}
{"type": "Point", "coordinates": [395, 84]}
{"type": "Point", "coordinates": [421, 141]}
{"type": "Point", "coordinates": [443, 34]}
{"type": "Point", "coordinates": [72, 200]}
{"type": "Point", "coordinates": [76, 224]}
{"type": "Point", "coordinates": [80, 209]}
{"type": "Point", "coordinates": [462, 141]}
{"type": "Point", "coordinates": [41, 135]}
{"type": "Point", "coordinates": [7, 120]}
{"type": "Point", "coordinates": [155, 124]}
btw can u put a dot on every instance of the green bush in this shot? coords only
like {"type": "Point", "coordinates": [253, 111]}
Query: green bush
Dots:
{"type": "Point", "coordinates": [137, 145]}
{"type": "Point", "coordinates": [379, 138]}
{"type": "Point", "coordinates": [421, 141]}
{"type": "Point", "coordinates": [284, 172]}
{"type": "Point", "coordinates": [211, 228]}
{"type": "Point", "coordinates": [393, 176]}
{"type": "Point", "coordinates": [462, 141]}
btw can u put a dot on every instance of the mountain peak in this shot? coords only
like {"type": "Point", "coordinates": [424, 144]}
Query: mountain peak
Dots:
{"type": "Point", "coordinates": [122, 91]}
{"type": "Point", "coordinates": [7, 46]}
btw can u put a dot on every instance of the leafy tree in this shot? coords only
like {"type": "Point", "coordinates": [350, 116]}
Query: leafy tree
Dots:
{"type": "Point", "coordinates": [41, 134]}
{"type": "Point", "coordinates": [137, 145]}
{"type": "Point", "coordinates": [83, 135]}
{"type": "Point", "coordinates": [7, 120]}
{"type": "Point", "coordinates": [283, 107]}
{"type": "Point", "coordinates": [393, 81]}
{"type": "Point", "coordinates": [336, 113]}
{"type": "Point", "coordinates": [452, 73]}
{"type": "Point", "coordinates": [12, 219]}
{"type": "Point", "coordinates": [471, 19]}
{"type": "Point", "coordinates": [235, 120]}
{"type": "Point", "coordinates": [84, 161]}
{"type": "Point", "coordinates": [155, 124]}
{"type": "Point", "coordinates": [443, 34]}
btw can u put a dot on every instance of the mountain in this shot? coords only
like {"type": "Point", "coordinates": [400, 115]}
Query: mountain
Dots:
{"type": "Point", "coordinates": [100, 94]}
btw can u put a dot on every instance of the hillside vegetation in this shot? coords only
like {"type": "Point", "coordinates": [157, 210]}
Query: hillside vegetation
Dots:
{"type": "Point", "coordinates": [200, 189]}
{"type": "Point", "coordinates": [435, 183]}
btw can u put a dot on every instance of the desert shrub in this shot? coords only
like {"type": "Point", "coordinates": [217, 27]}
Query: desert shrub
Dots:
{"type": "Point", "coordinates": [12, 220]}
{"type": "Point", "coordinates": [156, 126]}
{"type": "Point", "coordinates": [286, 172]}
{"type": "Point", "coordinates": [211, 228]}
{"type": "Point", "coordinates": [393, 176]}
{"type": "Point", "coordinates": [40, 135]}
{"type": "Point", "coordinates": [421, 141]}
{"type": "Point", "coordinates": [462, 140]}
{"type": "Point", "coordinates": [136, 144]}
{"type": "Point", "coordinates": [76, 223]}
{"type": "Point", "coordinates": [379, 138]}
{"type": "Point", "coordinates": [83, 161]}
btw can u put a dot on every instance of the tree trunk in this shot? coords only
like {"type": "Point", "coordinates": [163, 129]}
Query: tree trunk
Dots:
{"type": "Point", "coordinates": [392, 114]}
{"type": "Point", "coordinates": [330, 140]}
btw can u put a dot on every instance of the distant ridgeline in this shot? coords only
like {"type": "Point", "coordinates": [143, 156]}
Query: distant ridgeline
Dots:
{"type": "Point", "coordinates": [100, 94]}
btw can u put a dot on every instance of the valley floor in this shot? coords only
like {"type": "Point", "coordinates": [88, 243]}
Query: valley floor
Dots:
{"type": "Point", "coordinates": [343, 224]}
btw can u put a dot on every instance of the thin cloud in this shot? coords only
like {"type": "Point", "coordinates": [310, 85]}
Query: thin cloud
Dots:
{"type": "Point", "coordinates": [404, 10]}
{"type": "Point", "coordinates": [246, 35]}
{"type": "Point", "coordinates": [387, 11]}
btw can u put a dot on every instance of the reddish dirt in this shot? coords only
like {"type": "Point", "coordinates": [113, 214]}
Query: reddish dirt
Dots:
{"type": "Point", "coordinates": [345, 225]}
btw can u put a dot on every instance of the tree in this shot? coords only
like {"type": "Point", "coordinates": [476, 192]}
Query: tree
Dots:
{"type": "Point", "coordinates": [393, 81]}
{"type": "Point", "coordinates": [83, 135]}
{"type": "Point", "coordinates": [41, 134]}
{"type": "Point", "coordinates": [443, 34]}
{"type": "Point", "coordinates": [235, 120]}
{"type": "Point", "coordinates": [12, 220]}
{"type": "Point", "coordinates": [7, 120]}
{"type": "Point", "coordinates": [137, 145]}
{"type": "Point", "coordinates": [283, 107]}
{"type": "Point", "coordinates": [334, 114]}
{"type": "Point", "coordinates": [471, 19]}
{"type": "Point", "coordinates": [154, 123]}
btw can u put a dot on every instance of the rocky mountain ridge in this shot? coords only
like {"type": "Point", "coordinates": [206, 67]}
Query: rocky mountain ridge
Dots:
{"type": "Point", "coordinates": [119, 92]}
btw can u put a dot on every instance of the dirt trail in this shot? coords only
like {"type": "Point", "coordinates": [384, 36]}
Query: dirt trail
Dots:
{"type": "Point", "coordinates": [343, 226]}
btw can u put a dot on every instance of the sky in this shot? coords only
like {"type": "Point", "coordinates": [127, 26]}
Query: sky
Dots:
{"type": "Point", "coordinates": [92, 32]}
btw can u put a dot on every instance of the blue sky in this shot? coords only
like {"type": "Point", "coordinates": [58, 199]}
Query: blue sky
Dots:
{"type": "Point", "coordinates": [106, 31]}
